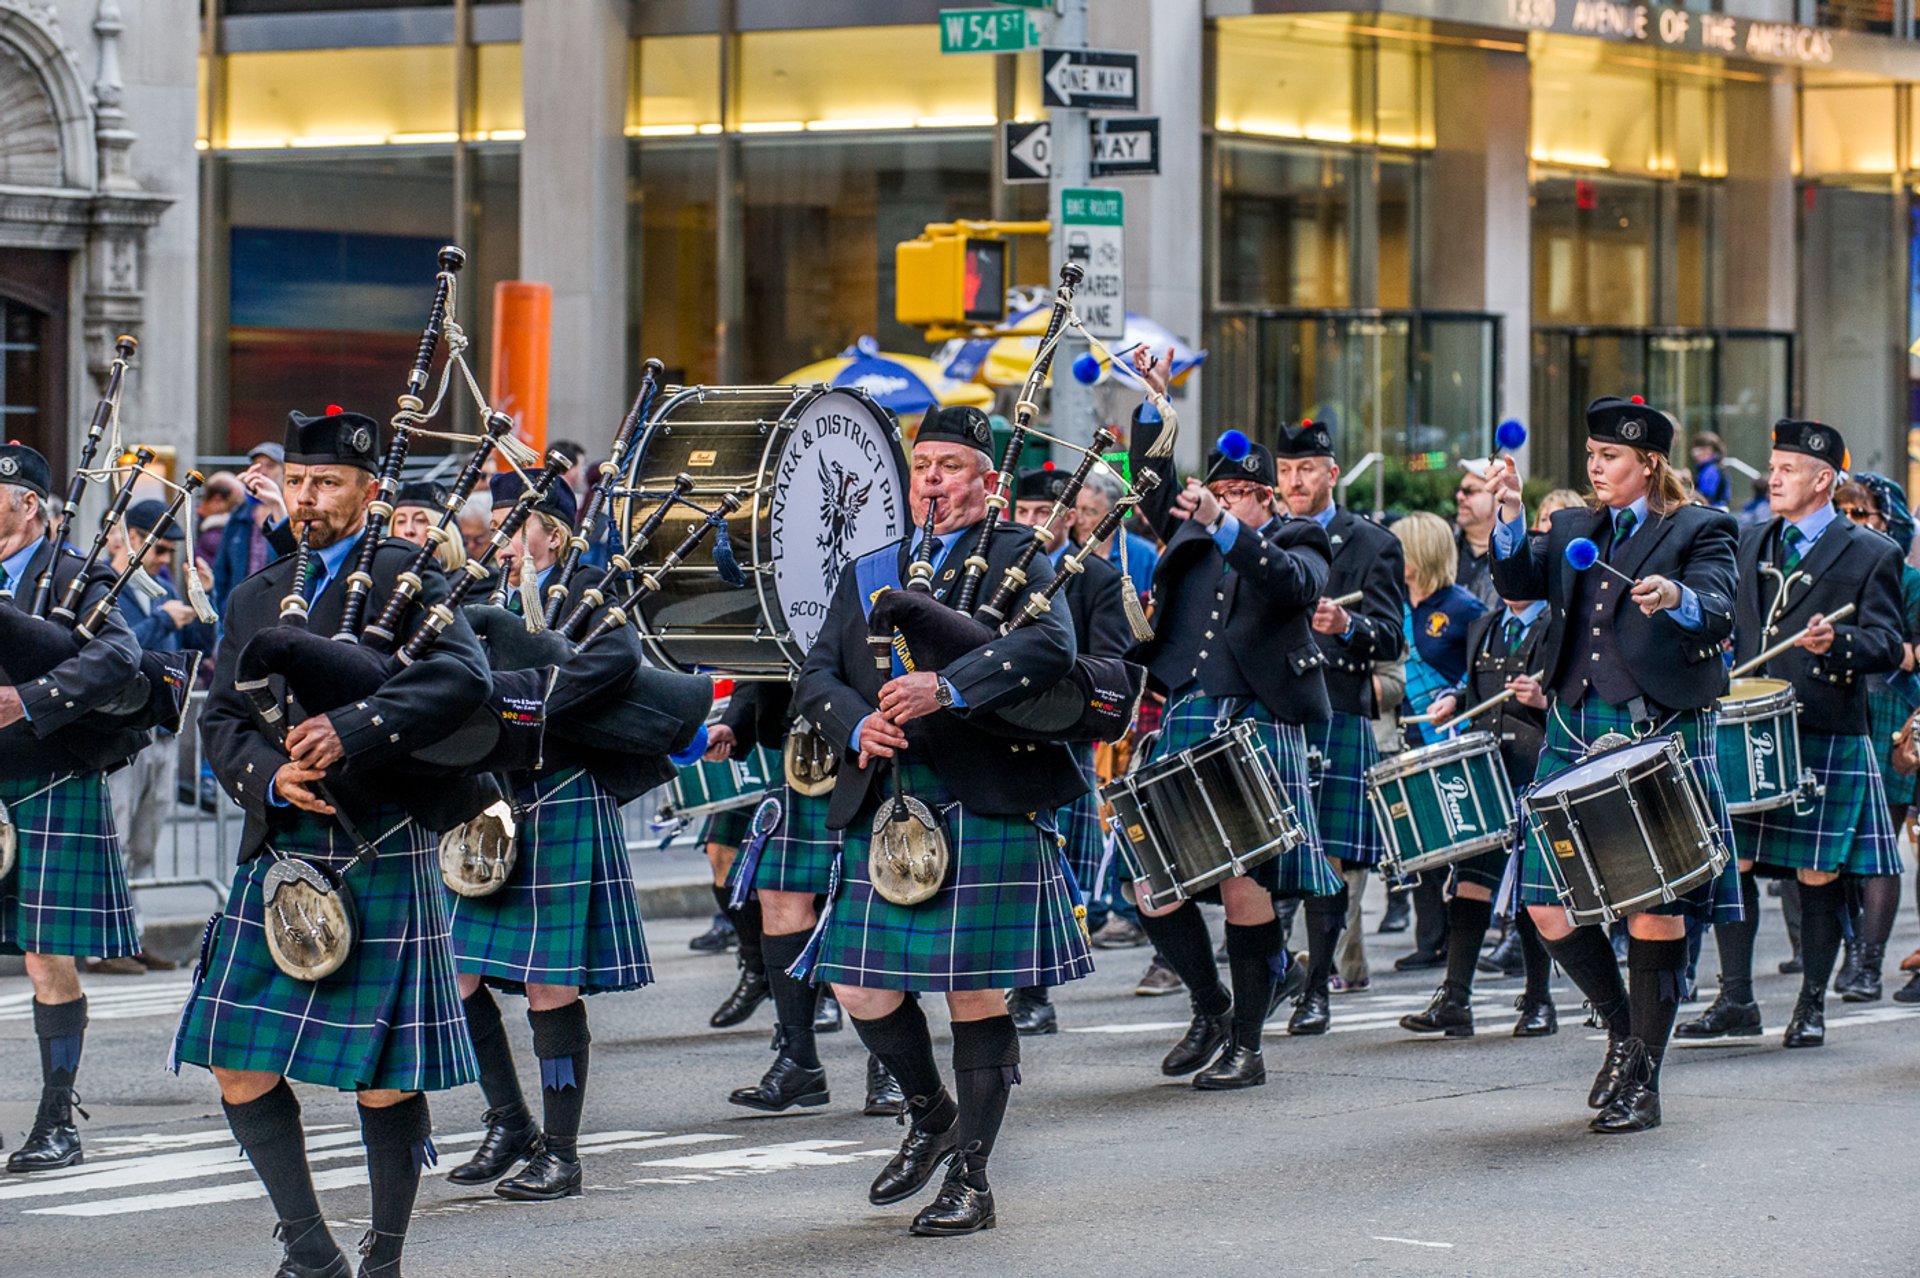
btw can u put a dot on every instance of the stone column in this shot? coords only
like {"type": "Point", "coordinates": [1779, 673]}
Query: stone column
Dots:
{"type": "Point", "coordinates": [573, 208]}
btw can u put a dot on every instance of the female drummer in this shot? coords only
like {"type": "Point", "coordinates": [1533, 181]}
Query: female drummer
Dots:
{"type": "Point", "coordinates": [1633, 649]}
{"type": "Point", "coordinates": [566, 923]}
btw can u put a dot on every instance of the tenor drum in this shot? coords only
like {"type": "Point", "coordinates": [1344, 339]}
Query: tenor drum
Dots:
{"type": "Point", "coordinates": [703, 788]}
{"type": "Point", "coordinates": [1204, 815]}
{"type": "Point", "coordinates": [1441, 803]}
{"type": "Point", "coordinates": [1625, 830]}
{"type": "Point", "coordinates": [822, 479]}
{"type": "Point", "coordinates": [1758, 744]}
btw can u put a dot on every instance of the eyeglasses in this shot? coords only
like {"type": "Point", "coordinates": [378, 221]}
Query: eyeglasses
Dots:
{"type": "Point", "coordinates": [1860, 514]}
{"type": "Point", "coordinates": [1233, 492]}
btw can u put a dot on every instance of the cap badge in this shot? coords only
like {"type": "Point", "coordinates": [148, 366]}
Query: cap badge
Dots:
{"type": "Point", "coordinates": [1633, 430]}
{"type": "Point", "coordinates": [9, 466]}
{"type": "Point", "coordinates": [361, 441]}
{"type": "Point", "coordinates": [1816, 441]}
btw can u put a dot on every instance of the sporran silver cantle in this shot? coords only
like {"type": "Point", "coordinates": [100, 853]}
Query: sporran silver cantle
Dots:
{"type": "Point", "coordinates": [309, 919]}
{"type": "Point", "coordinates": [477, 856]}
{"type": "Point", "coordinates": [909, 857]}
{"type": "Point", "coordinates": [809, 760]}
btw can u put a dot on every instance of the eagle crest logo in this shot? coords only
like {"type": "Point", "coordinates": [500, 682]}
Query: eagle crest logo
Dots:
{"type": "Point", "coordinates": [842, 497]}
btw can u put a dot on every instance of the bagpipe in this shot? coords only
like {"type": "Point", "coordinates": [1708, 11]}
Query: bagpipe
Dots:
{"type": "Point", "coordinates": [50, 632]}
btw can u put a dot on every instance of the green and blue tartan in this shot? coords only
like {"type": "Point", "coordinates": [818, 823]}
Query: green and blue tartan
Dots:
{"type": "Point", "coordinates": [799, 854]}
{"type": "Point", "coordinates": [731, 827]}
{"type": "Point", "coordinates": [67, 893]}
{"type": "Point", "coordinates": [1083, 840]}
{"type": "Point", "coordinates": [568, 914]}
{"type": "Point", "coordinates": [1887, 709]}
{"type": "Point", "coordinates": [1846, 829]}
{"type": "Point", "coordinates": [1300, 871]}
{"type": "Point", "coordinates": [1486, 869]}
{"type": "Point", "coordinates": [1347, 827]}
{"type": "Point", "coordinates": [1004, 919]}
{"type": "Point", "coordinates": [389, 1018]}
{"type": "Point", "coordinates": [1568, 731]}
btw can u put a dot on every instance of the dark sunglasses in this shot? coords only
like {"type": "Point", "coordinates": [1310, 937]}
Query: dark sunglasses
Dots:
{"type": "Point", "coordinates": [1860, 514]}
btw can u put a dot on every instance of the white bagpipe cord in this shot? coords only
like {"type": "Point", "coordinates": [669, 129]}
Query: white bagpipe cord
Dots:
{"type": "Point", "coordinates": [1162, 445]}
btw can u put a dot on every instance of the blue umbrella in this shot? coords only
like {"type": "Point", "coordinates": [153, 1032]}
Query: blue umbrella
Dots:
{"type": "Point", "coordinates": [902, 384]}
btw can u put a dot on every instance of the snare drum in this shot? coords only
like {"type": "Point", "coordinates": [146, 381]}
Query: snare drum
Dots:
{"type": "Point", "coordinates": [1759, 746]}
{"type": "Point", "coordinates": [1196, 818]}
{"type": "Point", "coordinates": [822, 480]}
{"type": "Point", "coordinates": [703, 788]}
{"type": "Point", "coordinates": [1441, 803]}
{"type": "Point", "coordinates": [1625, 830]}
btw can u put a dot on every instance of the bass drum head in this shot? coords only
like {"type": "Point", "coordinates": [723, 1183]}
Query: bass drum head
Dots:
{"type": "Point", "coordinates": [822, 480]}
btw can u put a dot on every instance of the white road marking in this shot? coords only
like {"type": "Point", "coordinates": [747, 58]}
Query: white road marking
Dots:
{"type": "Point", "coordinates": [112, 1003]}
{"type": "Point", "coordinates": [1411, 1242]}
{"type": "Point", "coordinates": [798, 1153]}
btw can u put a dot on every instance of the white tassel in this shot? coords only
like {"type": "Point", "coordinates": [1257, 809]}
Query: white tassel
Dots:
{"type": "Point", "coordinates": [522, 457]}
{"type": "Point", "coordinates": [197, 595]}
{"type": "Point", "coordinates": [528, 589]}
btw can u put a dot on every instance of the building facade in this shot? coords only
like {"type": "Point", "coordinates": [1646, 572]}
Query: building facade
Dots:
{"type": "Point", "coordinates": [1414, 218]}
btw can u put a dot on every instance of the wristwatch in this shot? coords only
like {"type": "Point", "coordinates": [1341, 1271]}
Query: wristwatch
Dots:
{"type": "Point", "coordinates": [943, 693]}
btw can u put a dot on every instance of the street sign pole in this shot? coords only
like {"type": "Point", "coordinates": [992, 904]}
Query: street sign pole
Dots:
{"type": "Point", "coordinates": [1073, 410]}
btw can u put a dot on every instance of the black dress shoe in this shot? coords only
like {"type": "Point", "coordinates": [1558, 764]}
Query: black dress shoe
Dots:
{"type": "Point", "coordinates": [1032, 1013]}
{"type": "Point", "coordinates": [510, 1137]}
{"type": "Point", "coordinates": [717, 939]}
{"type": "Point", "coordinates": [1614, 1071]}
{"type": "Point", "coordinates": [1864, 985]}
{"type": "Point", "coordinates": [1448, 1014]}
{"type": "Point", "coordinates": [1808, 1028]}
{"type": "Point", "coordinates": [910, 1169]}
{"type": "Point", "coordinates": [1849, 965]}
{"type": "Point", "coordinates": [1202, 1039]}
{"type": "Point", "coordinates": [1239, 1065]}
{"type": "Point", "coordinates": [748, 994]}
{"type": "Point", "coordinates": [958, 1209]}
{"type": "Point", "coordinates": [786, 1084]}
{"type": "Point", "coordinates": [1312, 1015]}
{"type": "Point", "coordinates": [1417, 961]}
{"type": "Point", "coordinates": [1291, 986]}
{"type": "Point", "coordinates": [827, 1017]}
{"type": "Point", "coordinates": [1791, 966]}
{"type": "Point", "coordinates": [1399, 908]}
{"type": "Point", "coordinates": [1537, 1020]}
{"type": "Point", "coordinates": [1910, 992]}
{"type": "Point", "coordinates": [54, 1141]}
{"type": "Point", "coordinates": [546, 1178]}
{"type": "Point", "coordinates": [289, 1234]}
{"type": "Point", "coordinates": [1635, 1109]}
{"type": "Point", "coordinates": [1723, 1018]}
{"type": "Point", "coordinates": [885, 1097]}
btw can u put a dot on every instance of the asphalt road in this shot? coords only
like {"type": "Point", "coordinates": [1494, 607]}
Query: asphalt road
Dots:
{"type": "Point", "coordinates": [1367, 1151]}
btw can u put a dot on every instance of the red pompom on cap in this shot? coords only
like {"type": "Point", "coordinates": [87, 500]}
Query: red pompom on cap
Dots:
{"type": "Point", "coordinates": [334, 410]}
{"type": "Point", "coordinates": [1639, 399]}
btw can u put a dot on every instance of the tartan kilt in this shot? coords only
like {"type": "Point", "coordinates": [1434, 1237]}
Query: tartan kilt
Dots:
{"type": "Point", "coordinates": [1347, 828]}
{"type": "Point", "coordinates": [568, 915]}
{"type": "Point", "coordinates": [1083, 839]}
{"type": "Point", "coordinates": [730, 828]}
{"type": "Point", "coordinates": [799, 854]}
{"type": "Point", "coordinates": [1486, 869]}
{"type": "Point", "coordinates": [1846, 829]}
{"type": "Point", "coordinates": [1887, 711]}
{"type": "Point", "coordinates": [67, 893]}
{"type": "Point", "coordinates": [1301, 871]}
{"type": "Point", "coordinates": [1003, 919]}
{"type": "Point", "coordinates": [1716, 901]}
{"type": "Point", "coordinates": [389, 1018]}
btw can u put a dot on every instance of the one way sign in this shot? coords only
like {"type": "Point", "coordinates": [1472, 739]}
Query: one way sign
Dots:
{"type": "Point", "coordinates": [1121, 146]}
{"type": "Point", "coordinates": [1102, 79]}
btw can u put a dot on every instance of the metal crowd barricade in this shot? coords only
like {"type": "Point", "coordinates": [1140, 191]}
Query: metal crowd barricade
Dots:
{"type": "Point", "coordinates": [198, 840]}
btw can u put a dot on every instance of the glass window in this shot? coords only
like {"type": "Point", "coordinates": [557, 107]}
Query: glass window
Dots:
{"type": "Point", "coordinates": [672, 258]}
{"type": "Point", "coordinates": [1593, 244]}
{"type": "Point", "coordinates": [1591, 111]}
{"type": "Point", "coordinates": [1401, 247]}
{"type": "Point", "coordinates": [22, 383]}
{"type": "Point", "coordinates": [676, 86]}
{"type": "Point", "coordinates": [339, 97]}
{"type": "Point", "coordinates": [1278, 77]}
{"type": "Point", "coordinates": [1846, 129]}
{"type": "Point", "coordinates": [1693, 252]}
{"type": "Point", "coordinates": [1403, 113]}
{"type": "Point", "coordinates": [853, 78]}
{"type": "Point", "coordinates": [1875, 16]}
{"type": "Point", "coordinates": [499, 109]}
{"type": "Point", "coordinates": [820, 223]}
{"type": "Point", "coordinates": [1285, 218]}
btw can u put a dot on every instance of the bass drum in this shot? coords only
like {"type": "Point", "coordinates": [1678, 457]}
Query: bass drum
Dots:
{"type": "Point", "coordinates": [822, 479]}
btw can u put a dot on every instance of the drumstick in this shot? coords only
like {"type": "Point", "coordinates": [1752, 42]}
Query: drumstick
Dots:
{"type": "Point", "coordinates": [1471, 711]}
{"type": "Point", "coordinates": [1844, 610]}
{"type": "Point", "coordinates": [1348, 601]}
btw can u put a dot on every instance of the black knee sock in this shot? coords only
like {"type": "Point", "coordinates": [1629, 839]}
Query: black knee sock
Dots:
{"type": "Point", "coordinates": [1326, 919]}
{"type": "Point", "coordinates": [1534, 952]}
{"type": "Point", "coordinates": [986, 1065]}
{"type": "Point", "coordinates": [748, 927]}
{"type": "Point", "coordinates": [1250, 951]}
{"type": "Point", "coordinates": [560, 1040]}
{"type": "Point", "coordinates": [1181, 937]}
{"type": "Point", "coordinates": [1586, 955]}
{"type": "Point", "coordinates": [1735, 943]}
{"type": "Point", "coordinates": [269, 1132]}
{"type": "Point", "coordinates": [62, 1031]}
{"type": "Point", "coordinates": [1879, 903]}
{"type": "Point", "coordinates": [398, 1149]}
{"type": "Point", "coordinates": [1658, 969]}
{"type": "Point", "coordinates": [905, 1046]}
{"type": "Point", "coordinates": [1820, 927]}
{"type": "Point", "coordinates": [793, 999]}
{"type": "Point", "coordinates": [499, 1081]}
{"type": "Point", "coordinates": [1467, 922]}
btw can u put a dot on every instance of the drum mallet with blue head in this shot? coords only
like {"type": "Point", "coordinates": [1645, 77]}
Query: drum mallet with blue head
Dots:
{"type": "Point", "coordinates": [1583, 554]}
{"type": "Point", "coordinates": [1843, 611]}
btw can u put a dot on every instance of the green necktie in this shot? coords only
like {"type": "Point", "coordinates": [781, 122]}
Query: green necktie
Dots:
{"type": "Point", "coordinates": [1511, 633]}
{"type": "Point", "coordinates": [4, 579]}
{"type": "Point", "coordinates": [1790, 538]}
